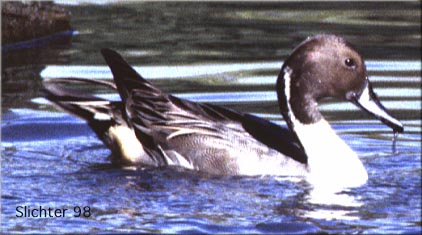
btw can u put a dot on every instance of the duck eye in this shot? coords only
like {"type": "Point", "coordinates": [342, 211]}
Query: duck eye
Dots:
{"type": "Point", "coordinates": [350, 62]}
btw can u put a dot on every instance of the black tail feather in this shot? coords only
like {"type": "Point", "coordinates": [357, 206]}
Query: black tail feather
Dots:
{"type": "Point", "coordinates": [125, 77]}
{"type": "Point", "coordinates": [67, 98]}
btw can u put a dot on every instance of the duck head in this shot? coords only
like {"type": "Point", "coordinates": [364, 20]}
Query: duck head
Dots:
{"type": "Point", "coordinates": [326, 66]}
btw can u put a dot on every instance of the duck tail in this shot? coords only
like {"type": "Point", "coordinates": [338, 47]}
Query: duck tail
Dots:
{"type": "Point", "coordinates": [96, 111]}
{"type": "Point", "coordinates": [100, 114]}
{"type": "Point", "coordinates": [126, 78]}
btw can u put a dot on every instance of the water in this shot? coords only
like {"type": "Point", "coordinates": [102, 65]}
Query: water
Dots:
{"type": "Point", "coordinates": [224, 53]}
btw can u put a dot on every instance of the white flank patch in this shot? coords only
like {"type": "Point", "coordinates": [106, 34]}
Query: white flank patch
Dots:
{"type": "Point", "coordinates": [129, 146]}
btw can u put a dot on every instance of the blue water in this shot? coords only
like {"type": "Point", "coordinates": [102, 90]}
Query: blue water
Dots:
{"type": "Point", "coordinates": [228, 54]}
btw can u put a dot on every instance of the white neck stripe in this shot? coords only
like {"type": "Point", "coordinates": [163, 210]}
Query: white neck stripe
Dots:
{"type": "Point", "coordinates": [329, 157]}
{"type": "Point", "coordinates": [287, 83]}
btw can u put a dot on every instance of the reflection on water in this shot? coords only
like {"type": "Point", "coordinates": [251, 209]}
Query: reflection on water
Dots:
{"type": "Point", "coordinates": [225, 53]}
{"type": "Point", "coordinates": [152, 72]}
{"type": "Point", "coordinates": [226, 79]}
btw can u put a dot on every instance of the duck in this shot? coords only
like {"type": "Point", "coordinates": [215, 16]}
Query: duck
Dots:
{"type": "Point", "coordinates": [150, 128]}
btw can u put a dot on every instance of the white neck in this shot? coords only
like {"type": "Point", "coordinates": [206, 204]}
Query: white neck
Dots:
{"type": "Point", "coordinates": [330, 160]}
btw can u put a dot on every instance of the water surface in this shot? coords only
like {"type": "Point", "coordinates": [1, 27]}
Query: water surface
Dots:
{"type": "Point", "coordinates": [224, 53]}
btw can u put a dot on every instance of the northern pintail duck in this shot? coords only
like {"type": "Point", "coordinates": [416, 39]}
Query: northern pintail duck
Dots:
{"type": "Point", "coordinates": [151, 128]}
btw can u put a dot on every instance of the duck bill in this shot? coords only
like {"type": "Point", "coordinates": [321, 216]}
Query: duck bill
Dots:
{"type": "Point", "coordinates": [369, 102]}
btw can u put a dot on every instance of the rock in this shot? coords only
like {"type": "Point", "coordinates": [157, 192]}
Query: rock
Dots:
{"type": "Point", "coordinates": [22, 21]}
